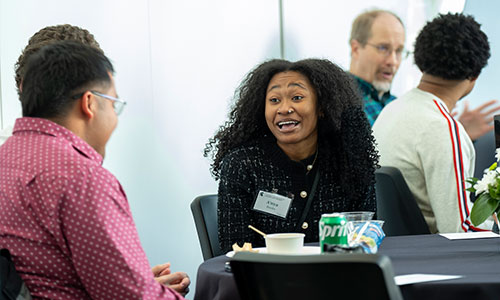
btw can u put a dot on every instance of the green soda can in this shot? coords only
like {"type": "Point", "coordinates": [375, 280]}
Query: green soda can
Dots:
{"type": "Point", "coordinates": [333, 230]}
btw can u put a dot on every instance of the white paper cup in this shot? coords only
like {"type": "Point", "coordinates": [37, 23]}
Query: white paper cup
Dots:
{"type": "Point", "coordinates": [284, 243]}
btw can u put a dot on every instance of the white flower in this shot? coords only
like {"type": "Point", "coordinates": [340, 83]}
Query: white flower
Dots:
{"type": "Point", "coordinates": [489, 179]}
{"type": "Point", "coordinates": [480, 187]}
{"type": "Point", "coordinates": [497, 154]}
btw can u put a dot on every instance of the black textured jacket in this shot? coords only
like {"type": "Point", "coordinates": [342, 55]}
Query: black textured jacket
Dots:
{"type": "Point", "coordinates": [263, 166]}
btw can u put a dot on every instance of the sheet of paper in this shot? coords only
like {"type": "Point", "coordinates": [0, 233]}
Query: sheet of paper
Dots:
{"type": "Point", "coordinates": [416, 278]}
{"type": "Point", "coordinates": [470, 235]}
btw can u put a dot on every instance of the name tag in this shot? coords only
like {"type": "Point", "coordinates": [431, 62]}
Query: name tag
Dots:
{"type": "Point", "coordinates": [273, 204]}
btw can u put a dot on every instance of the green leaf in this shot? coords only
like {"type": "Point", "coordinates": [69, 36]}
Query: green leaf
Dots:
{"type": "Point", "coordinates": [493, 192]}
{"type": "Point", "coordinates": [472, 180]}
{"type": "Point", "coordinates": [483, 208]}
{"type": "Point", "coordinates": [493, 166]}
{"type": "Point", "coordinates": [471, 189]}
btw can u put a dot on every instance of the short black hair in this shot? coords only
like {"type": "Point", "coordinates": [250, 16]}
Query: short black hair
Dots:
{"type": "Point", "coordinates": [452, 47]}
{"type": "Point", "coordinates": [59, 71]}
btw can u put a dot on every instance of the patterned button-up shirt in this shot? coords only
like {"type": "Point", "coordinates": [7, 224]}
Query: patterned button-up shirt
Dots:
{"type": "Point", "coordinates": [66, 219]}
{"type": "Point", "coordinates": [373, 104]}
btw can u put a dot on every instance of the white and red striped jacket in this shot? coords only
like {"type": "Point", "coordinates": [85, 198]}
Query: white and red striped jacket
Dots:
{"type": "Point", "coordinates": [417, 134]}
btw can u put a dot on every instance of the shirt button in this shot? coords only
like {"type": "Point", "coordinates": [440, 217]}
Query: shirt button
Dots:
{"type": "Point", "coordinates": [305, 225]}
{"type": "Point", "coordinates": [303, 194]}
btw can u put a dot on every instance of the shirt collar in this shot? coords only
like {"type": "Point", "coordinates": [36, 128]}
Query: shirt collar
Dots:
{"type": "Point", "coordinates": [368, 88]}
{"type": "Point", "coordinates": [47, 127]}
{"type": "Point", "coordinates": [434, 97]}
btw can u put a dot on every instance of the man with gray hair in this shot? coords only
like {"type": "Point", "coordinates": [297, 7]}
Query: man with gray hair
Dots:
{"type": "Point", "coordinates": [377, 49]}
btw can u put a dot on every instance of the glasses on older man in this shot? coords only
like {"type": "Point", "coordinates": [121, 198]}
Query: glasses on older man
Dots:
{"type": "Point", "coordinates": [387, 50]}
{"type": "Point", "coordinates": [118, 104]}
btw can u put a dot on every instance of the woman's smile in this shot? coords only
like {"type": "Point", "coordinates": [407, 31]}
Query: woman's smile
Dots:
{"type": "Point", "coordinates": [291, 112]}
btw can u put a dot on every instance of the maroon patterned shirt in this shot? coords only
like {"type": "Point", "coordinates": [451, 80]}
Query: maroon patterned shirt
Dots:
{"type": "Point", "coordinates": [66, 219]}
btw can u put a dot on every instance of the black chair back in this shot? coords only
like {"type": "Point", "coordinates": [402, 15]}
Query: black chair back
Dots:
{"type": "Point", "coordinates": [12, 286]}
{"type": "Point", "coordinates": [396, 204]}
{"type": "Point", "coordinates": [329, 276]}
{"type": "Point", "coordinates": [204, 209]}
{"type": "Point", "coordinates": [485, 153]}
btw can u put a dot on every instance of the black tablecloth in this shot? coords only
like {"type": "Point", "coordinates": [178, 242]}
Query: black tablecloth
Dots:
{"type": "Point", "coordinates": [478, 260]}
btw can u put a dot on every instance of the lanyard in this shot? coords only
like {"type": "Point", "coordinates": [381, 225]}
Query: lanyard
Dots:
{"type": "Point", "coordinates": [309, 201]}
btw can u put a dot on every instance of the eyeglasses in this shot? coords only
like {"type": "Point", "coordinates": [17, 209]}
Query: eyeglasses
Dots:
{"type": "Point", "coordinates": [386, 50]}
{"type": "Point", "coordinates": [118, 104]}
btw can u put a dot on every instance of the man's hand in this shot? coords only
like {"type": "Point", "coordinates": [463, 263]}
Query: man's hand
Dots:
{"type": "Point", "coordinates": [160, 270]}
{"type": "Point", "coordinates": [178, 281]}
{"type": "Point", "coordinates": [478, 121]}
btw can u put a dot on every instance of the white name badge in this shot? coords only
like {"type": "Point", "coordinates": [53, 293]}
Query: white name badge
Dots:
{"type": "Point", "coordinates": [273, 204]}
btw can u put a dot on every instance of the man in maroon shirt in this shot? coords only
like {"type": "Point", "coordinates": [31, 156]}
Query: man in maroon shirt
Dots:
{"type": "Point", "coordinates": [64, 217]}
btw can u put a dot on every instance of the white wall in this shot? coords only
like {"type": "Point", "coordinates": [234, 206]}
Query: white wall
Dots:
{"type": "Point", "coordinates": [484, 90]}
{"type": "Point", "coordinates": [485, 13]}
{"type": "Point", "coordinates": [321, 28]}
{"type": "Point", "coordinates": [177, 64]}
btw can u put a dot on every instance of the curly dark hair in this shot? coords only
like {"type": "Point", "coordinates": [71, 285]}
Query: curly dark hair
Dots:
{"type": "Point", "coordinates": [452, 47]}
{"type": "Point", "coordinates": [49, 35]}
{"type": "Point", "coordinates": [343, 130]}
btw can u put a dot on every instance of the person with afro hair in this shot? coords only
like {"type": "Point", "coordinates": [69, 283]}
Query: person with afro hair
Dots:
{"type": "Point", "coordinates": [418, 135]}
{"type": "Point", "coordinates": [297, 145]}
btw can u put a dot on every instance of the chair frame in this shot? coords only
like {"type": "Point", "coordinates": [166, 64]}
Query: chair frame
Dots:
{"type": "Point", "coordinates": [205, 220]}
{"type": "Point", "coordinates": [401, 216]}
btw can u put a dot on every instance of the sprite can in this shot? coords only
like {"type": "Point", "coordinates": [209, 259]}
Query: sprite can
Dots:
{"type": "Point", "coordinates": [333, 230]}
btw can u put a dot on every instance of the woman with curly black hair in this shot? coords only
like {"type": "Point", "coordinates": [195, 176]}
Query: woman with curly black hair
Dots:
{"type": "Point", "coordinates": [297, 145]}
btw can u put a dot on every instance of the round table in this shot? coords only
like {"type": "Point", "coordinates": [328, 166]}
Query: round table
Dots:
{"type": "Point", "coordinates": [477, 260]}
